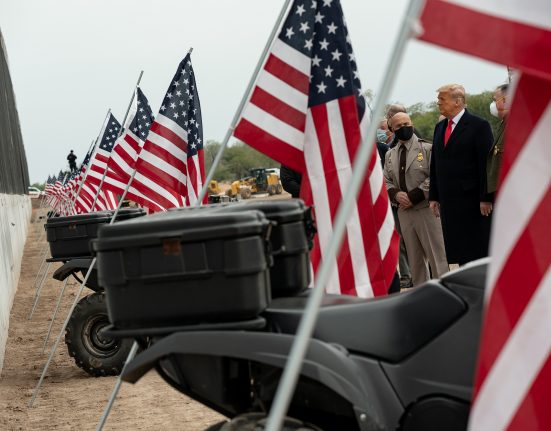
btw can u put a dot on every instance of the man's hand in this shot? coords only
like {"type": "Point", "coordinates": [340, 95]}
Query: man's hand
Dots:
{"type": "Point", "coordinates": [435, 208]}
{"type": "Point", "coordinates": [486, 208]}
{"type": "Point", "coordinates": [403, 199]}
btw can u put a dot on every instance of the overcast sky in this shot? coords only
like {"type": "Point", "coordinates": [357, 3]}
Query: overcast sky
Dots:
{"type": "Point", "coordinates": [72, 60]}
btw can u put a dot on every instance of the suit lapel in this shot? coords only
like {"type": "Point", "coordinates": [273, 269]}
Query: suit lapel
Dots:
{"type": "Point", "coordinates": [459, 128]}
{"type": "Point", "coordinates": [439, 135]}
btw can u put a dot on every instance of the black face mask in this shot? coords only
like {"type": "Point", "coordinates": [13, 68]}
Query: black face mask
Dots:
{"type": "Point", "coordinates": [404, 133]}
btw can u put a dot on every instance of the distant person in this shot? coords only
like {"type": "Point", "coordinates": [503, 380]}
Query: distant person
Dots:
{"type": "Point", "coordinates": [498, 108]}
{"type": "Point", "coordinates": [72, 161]}
{"type": "Point", "coordinates": [383, 137]}
{"type": "Point", "coordinates": [406, 174]}
{"type": "Point", "coordinates": [458, 177]}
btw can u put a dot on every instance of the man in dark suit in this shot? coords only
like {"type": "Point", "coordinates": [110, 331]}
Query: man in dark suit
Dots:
{"type": "Point", "coordinates": [458, 177]}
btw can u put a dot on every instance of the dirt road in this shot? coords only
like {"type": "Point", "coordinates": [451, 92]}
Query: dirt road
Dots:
{"type": "Point", "coordinates": [70, 399]}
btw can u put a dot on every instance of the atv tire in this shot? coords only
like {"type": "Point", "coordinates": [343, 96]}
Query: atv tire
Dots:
{"type": "Point", "coordinates": [271, 189]}
{"type": "Point", "coordinates": [279, 189]}
{"type": "Point", "coordinates": [96, 354]}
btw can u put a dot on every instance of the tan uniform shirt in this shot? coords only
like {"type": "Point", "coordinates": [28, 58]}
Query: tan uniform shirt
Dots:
{"type": "Point", "coordinates": [416, 171]}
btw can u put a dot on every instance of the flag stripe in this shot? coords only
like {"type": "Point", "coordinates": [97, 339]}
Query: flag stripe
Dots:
{"type": "Point", "coordinates": [521, 359]}
{"type": "Point", "coordinates": [530, 172]}
{"type": "Point", "coordinates": [534, 251]}
{"type": "Point", "coordinates": [317, 183]}
{"type": "Point", "coordinates": [321, 122]}
{"type": "Point", "coordinates": [287, 74]}
{"type": "Point", "coordinates": [534, 412]}
{"type": "Point", "coordinates": [291, 56]}
{"type": "Point", "coordinates": [343, 165]}
{"type": "Point", "coordinates": [161, 135]}
{"type": "Point", "coordinates": [281, 89]}
{"type": "Point", "coordinates": [512, 377]}
{"type": "Point", "coordinates": [522, 45]}
{"type": "Point", "coordinates": [279, 109]}
{"type": "Point", "coordinates": [269, 144]}
{"type": "Point", "coordinates": [275, 127]}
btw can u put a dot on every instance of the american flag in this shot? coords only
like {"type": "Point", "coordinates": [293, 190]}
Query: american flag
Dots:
{"type": "Point", "coordinates": [128, 145]}
{"type": "Point", "coordinates": [307, 112]}
{"type": "Point", "coordinates": [513, 382]}
{"type": "Point", "coordinates": [49, 184]}
{"type": "Point", "coordinates": [123, 158]}
{"type": "Point", "coordinates": [57, 191]}
{"type": "Point", "coordinates": [98, 164]}
{"type": "Point", "coordinates": [172, 156]}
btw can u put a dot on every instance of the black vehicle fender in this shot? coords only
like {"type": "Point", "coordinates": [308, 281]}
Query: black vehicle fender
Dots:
{"type": "Point", "coordinates": [326, 363]}
{"type": "Point", "coordinates": [71, 266]}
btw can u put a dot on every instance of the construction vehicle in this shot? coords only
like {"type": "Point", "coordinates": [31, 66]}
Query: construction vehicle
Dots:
{"type": "Point", "coordinates": [215, 194]}
{"type": "Point", "coordinates": [237, 190]}
{"type": "Point", "coordinates": [261, 180]}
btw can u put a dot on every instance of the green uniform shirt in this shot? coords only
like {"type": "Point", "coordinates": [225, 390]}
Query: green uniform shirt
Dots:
{"type": "Point", "coordinates": [493, 163]}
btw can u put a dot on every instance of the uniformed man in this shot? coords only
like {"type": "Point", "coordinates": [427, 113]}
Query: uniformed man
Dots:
{"type": "Point", "coordinates": [500, 109]}
{"type": "Point", "coordinates": [407, 181]}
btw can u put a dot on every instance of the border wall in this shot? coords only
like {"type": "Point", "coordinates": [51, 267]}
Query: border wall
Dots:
{"type": "Point", "coordinates": [15, 204]}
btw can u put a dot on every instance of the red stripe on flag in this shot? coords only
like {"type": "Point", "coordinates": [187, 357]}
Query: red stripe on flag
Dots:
{"type": "Point", "coordinates": [534, 412]}
{"type": "Point", "coordinates": [201, 158]}
{"type": "Point", "coordinates": [334, 195]}
{"type": "Point", "coordinates": [161, 177]}
{"type": "Point", "coordinates": [167, 156]}
{"type": "Point", "coordinates": [270, 145]}
{"type": "Point", "coordinates": [351, 125]}
{"type": "Point", "coordinates": [169, 135]}
{"type": "Point", "coordinates": [520, 46]}
{"type": "Point", "coordinates": [279, 109]}
{"type": "Point", "coordinates": [534, 104]}
{"type": "Point", "coordinates": [514, 287]}
{"type": "Point", "coordinates": [288, 74]}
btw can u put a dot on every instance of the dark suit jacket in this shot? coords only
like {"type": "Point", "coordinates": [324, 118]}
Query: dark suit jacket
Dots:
{"type": "Point", "coordinates": [458, 182]}
{"type": "Point", "coordinates": [290, 180]}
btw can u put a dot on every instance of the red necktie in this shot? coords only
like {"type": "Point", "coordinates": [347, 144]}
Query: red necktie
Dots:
{"type": "Point", "coordinates": [448, 132]}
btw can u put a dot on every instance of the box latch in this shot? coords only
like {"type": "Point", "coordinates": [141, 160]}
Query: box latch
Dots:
{"type": "Point", "coordinates": [172, 247]}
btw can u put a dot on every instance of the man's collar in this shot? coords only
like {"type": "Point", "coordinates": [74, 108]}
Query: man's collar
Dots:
{"type": "Point", "coordinates": [407, 144]}
{"type": "Point", "coordinates": [458, 117]}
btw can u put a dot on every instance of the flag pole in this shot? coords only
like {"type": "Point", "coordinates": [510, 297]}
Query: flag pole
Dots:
{"type": "Point", "coordinates": [120, 132]}
{"type": "Point", "coordinates": [244, 100]}
{"type": "Point", "coordinates": [134, 348]}
{"type": "Point", "coordinates": [91, 155]}
{"type": "Point", "coordinates": [292, 369]}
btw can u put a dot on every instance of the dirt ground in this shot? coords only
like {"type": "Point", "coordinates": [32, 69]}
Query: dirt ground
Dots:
{"type": "Point", "coordinates": [70, 399]}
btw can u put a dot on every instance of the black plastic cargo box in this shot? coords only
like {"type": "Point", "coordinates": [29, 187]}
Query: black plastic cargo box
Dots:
{"type": "Point", "coordinates": [70, 236]}
{"type": "Point", "coordinates": [290, 240]}
{"type": "Point", "coordinates": [184, 267]}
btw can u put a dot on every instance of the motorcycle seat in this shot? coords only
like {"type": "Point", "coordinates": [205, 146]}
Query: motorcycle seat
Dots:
{"type": "Point", "coordinates": [388, 328]}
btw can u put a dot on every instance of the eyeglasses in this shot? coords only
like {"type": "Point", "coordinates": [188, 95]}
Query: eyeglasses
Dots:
{"type": "Point", "coordinates": [498, 99]}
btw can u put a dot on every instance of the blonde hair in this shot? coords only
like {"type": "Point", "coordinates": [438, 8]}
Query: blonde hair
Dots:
{"type": "Point", "coordinates": [457, 91]}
